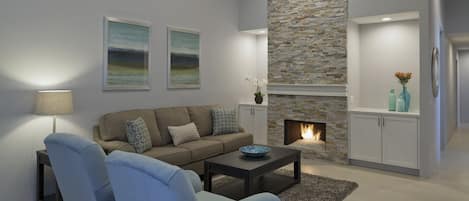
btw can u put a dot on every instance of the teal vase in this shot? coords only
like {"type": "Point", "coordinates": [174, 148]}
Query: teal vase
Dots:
{"type": "Point", "coordinates": [392, 100]}
{"type": "Point", "coordinates": [405, 95]}
{"type": "Point", "coordinates": [400, 104]}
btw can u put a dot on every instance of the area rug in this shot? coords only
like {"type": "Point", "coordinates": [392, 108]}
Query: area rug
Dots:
{"type": "Point", "coordinates": [311, 188]}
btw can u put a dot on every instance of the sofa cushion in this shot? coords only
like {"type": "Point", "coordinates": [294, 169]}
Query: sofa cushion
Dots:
{"type": "Point", "coordinates": [173, 116]}
{"type": "Point", "coordinates": [202, 117]}
{"type": "Point", "coordinates": [232, 142]}
{"type": "Point", "coordinates": [138, 135]}
{"type": "Point", "coordinates": [203, 149]}
{"type": "Point", "coordinates": [224, 121]}
{"type": "Point", "coordinates": [112, 126]}
{"type": "Point", "coordinates": [183, 134]}
{"type": "Point", "coordinates": [170, 154]}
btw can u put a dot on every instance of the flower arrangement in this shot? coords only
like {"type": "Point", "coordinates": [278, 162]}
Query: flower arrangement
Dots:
{"type": "Point", "coordinates": [258, 84]}
{"type": "Point", "coordinates": [403, 77]}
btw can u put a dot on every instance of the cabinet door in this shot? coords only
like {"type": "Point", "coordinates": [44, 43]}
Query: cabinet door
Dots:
{"type": "Point", "coordinates": [260, 125]}
{"type": "Point", "coordinates": [400, 141]}
{"type": "Point", "coordinates": [365, 137]}
{"type": "Point", "coordinates": [246, 118]}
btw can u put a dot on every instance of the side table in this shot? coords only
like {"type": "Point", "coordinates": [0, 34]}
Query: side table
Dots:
{"type": "Point", "coordinates": [42, 160]}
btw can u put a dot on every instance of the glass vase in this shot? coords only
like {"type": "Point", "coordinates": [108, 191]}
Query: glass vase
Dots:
{"type": "Point", "coordinates": [405, 95]}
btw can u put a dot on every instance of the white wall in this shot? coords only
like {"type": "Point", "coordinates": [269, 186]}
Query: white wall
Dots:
{"type": "Point", "coordinates": [253, 14]}
{"type": "Point", "coordinates": [353, 64]}
{"type": "Point", "coordinates": [262, 56]}
{"type": "Point", "coordinates": [52, 44]}
{"type": "Point", "coordinates": [386, 48]}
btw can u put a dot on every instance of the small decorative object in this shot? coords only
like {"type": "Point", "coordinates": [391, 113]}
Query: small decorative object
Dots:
{"type": "Point", "coordinates": [405, 95]}
{"type": "Point", "coordinates": [400, 104]}
{"type": "Point", "coordinates": [254, 151]}
{"type": "Point", "coordinates": [392, 100]}
{"type": "Point", "coordinates": [127, 55]}
{"type": "Point", "coordinates": [435, 74]}
{"type": "Point", "coordinates": [183, 58]}
{"type": "Point", "coordinates": [259, 84]}
{"type": "Point", "coordinates": [53, 103]}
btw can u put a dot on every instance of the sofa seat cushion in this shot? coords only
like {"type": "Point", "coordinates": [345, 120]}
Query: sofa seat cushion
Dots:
{"type": "Point", "coordinates": [207, 196]}
{"type": "Point", "coordinates": [172, 116]}
{"type": "Point", "coordinates": [202, 117]}
{"type": "Point", "coordinates": [203, 149]}
{"type": "Point", "coordinates": [232, 142]}
{"type": "Point", "coordinates": [112, 126]}
{"type": "Point", "coordinates": [170, 154]}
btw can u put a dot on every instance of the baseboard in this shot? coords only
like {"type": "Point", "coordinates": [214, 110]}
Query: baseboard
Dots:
{"type": "Point", "coordinates": [463, 125]}
{"type": "Point", "coordinates": [390, 168]}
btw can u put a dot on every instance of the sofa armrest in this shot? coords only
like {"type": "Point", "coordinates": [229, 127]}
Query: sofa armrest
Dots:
{"type": "Point", "coordinates": [110, 146]}
{"type": "Point", "coordinates": [262, 197]}
{"type": "Point", "coordinates": [194, 179]}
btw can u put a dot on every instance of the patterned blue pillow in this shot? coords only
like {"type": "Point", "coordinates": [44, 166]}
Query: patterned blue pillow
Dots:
{"type": "Point", "coordinates": [224, 121]}
{"type": "Point", "coordinates": [138, 135]}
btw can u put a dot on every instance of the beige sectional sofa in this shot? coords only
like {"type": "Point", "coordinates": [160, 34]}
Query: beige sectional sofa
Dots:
{"type": "Point", "coordinates": [111, 135]}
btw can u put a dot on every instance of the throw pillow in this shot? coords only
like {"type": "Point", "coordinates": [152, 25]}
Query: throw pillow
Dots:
{"type": "Point", "coordinates": [138, 135]}
{"type": "Point", "coordinates": [183, 134]}
{"type": "Point", "coordinates": [224, 121]}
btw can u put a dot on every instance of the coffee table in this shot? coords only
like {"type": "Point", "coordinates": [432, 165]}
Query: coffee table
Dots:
{"type": "Point", "coordinates": [252, 170]}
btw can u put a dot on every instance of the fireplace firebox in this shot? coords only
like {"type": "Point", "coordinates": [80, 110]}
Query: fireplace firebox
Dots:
{"type": "Point", "coordinates": [312, 132]}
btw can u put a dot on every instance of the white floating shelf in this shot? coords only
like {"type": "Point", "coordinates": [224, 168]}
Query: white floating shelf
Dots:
{"type": "Point", "coordinates": [337, 90]}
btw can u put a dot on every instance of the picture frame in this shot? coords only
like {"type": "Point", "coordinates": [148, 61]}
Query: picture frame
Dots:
{"type": "Point", "coordinates": [127, 55]}
{"type": "Point", "coordinates": [183, 49]}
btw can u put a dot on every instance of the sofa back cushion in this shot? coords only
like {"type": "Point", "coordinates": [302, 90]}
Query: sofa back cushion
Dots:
{"type": "Point", "coordinates": [172, 116]}
{"type": "Point", "coordinates": [202, 117]}
{"type": "Point", "coordinates": [112, 126]}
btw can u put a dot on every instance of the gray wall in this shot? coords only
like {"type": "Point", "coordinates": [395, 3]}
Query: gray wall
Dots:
{"type": "Point", "coordinates": [253, 14]}
{"type": "Point", "coordinates": [456, 16]}
{"type": "Point", "coordinates": [52, 44]}
{"type": "Point", "coordinates": [386, 48]}
{"type": "Point", "coordinates": [464, 84]}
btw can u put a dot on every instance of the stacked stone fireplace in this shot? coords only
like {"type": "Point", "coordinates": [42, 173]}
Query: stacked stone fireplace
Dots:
{"type": "Point", "coordinates": [307, 74]}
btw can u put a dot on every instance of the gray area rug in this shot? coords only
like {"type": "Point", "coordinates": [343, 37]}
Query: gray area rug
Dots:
{"type": "Point", "coordinates": [311, 188]}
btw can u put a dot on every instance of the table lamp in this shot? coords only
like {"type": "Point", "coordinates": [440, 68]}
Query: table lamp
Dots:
{"type": "Point", "coordinates": [54, 102]}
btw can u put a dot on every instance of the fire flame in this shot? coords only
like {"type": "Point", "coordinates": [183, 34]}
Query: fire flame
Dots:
{"type": "Point", "coordinates": [307, 132]}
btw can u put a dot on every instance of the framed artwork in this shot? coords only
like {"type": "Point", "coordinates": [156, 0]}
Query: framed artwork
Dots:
{"type": "Point", "coordinates": [183, 58]}
{"type": "Point", "coordinates": [127, 54]}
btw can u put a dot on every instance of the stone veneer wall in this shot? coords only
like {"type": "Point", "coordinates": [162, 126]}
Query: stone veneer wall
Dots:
{"type": "Point", "coordinates": [307, 41]}
{"type": "Point", "coordinates": [307, 45]}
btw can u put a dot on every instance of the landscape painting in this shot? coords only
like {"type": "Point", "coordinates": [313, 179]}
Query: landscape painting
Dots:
{"type": "Point", "coordinates": [184, 57]}
{"type": "Point", "coordinates": [127, 53]}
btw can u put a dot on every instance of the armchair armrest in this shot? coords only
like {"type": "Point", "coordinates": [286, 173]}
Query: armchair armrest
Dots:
{"type": "Point", "coordinates": [194, 179]}
{"type": "Point", "coordinates": [262, 197]}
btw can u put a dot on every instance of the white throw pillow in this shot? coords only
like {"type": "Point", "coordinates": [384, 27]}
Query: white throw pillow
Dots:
{"type": "Point", "coordinates": [183, 134]}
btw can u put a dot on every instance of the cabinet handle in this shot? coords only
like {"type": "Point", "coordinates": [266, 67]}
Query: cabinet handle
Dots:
{"type": "Point", "coordinates": [379, 121]}
{"type": "Point", "coordinates": [383, 121]}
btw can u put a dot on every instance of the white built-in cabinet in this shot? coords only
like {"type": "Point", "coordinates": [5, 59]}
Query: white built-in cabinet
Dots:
{"type": "Point", "coordinates": [253, 118]}
{"type": "Point", "coordinates": [387, 138]}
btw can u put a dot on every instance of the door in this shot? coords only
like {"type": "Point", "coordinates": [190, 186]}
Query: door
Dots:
{"type": "Point", "coordinates": [365, 137]}
{"type": "Point", "coordinates": [246, 118]}
{"type": "Point", "coordinates": [260, 125]}
{"type": "Point", "coordinates": [400, 141]}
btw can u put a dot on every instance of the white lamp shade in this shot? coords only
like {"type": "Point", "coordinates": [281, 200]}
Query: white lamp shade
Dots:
{"type": "Point", "coordinates": [54, 102]}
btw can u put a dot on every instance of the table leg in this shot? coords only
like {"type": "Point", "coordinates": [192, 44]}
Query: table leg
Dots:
{"type": "Point", "coordinates": [297, 170]}
{"type": "Point", "coordinates": [207, 178]}
{"type": "Point", "coordinates": [248, 185]}
{"type": "Point", "coordinates": [39, 181]}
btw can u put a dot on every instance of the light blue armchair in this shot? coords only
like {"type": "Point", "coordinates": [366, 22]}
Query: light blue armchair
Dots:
{"type": "Point", "coordinates": [140, 178]}
{"type": "Point", "coordinates": [79, 168]}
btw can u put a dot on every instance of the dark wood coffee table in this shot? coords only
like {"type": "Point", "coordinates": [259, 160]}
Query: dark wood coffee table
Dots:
{"type": "Point", "coordinates": [252, 170]}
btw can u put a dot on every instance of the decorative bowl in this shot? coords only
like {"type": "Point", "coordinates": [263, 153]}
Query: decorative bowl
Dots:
{"type": "Point", "coordinates": [254, 151]}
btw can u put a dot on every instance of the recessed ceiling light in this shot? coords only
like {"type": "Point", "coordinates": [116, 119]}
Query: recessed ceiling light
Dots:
{"type": "Point", "coordinates": [386, 19]}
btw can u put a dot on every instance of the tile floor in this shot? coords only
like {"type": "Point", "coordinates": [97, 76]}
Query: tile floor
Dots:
{"type": "Point", "coordinates": [451, 183]}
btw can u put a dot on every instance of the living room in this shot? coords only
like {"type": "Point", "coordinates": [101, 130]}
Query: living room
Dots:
{"type": "Point", "coordinates": [328, 63]}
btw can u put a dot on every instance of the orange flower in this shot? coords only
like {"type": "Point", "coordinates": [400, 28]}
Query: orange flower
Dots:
{"type": "Point", "coordinates": [403, 77]}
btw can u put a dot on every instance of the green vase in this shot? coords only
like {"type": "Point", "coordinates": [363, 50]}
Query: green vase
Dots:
{"type": "Point", "coordinates": [392, 100]}
{"type": "Point", "coordinates": [405, 95]}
